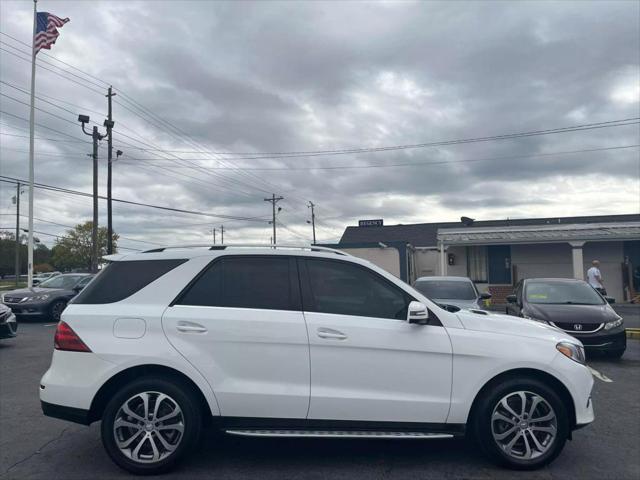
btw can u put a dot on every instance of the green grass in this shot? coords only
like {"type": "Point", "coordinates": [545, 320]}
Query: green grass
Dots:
{"type": "Point", "coordinates": [11, 284]}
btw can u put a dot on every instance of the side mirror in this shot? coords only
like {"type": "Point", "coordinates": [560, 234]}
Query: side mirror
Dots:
{"type": "Point", "coordinates": [485, 296]}
{"type": "Point", "coordinates": [610, 299]}
{"type": "Point", "coordinates": [512, 299]}
{"type": "Point", "coordinates": [418, 313]}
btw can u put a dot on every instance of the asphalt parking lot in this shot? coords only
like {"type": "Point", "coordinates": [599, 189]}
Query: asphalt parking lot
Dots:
{"type": "Point", "coordinates": [33, 446]}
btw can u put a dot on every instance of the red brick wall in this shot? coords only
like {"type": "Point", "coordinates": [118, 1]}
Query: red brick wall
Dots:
{"type": "Point", "coordinates": [499, 293]}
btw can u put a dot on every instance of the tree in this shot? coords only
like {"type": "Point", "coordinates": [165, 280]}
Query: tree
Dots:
{"type": "Point", "coordinates": [73, 250]}
{"type": "Point", "coordinates": [41, 254]}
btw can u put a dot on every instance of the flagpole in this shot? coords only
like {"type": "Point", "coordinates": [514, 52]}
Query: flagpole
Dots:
{"type": "Point", "coordinates": [31, 142]}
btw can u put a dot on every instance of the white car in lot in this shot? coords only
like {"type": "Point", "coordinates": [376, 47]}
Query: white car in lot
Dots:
{"type": "Point", "coordinates": [302, 342]}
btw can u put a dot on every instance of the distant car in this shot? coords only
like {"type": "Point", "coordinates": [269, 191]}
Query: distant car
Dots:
{"type": "Point", "coordinates": [41, 277]}
{"type": "Point", "coordinates": [49, 298]}
{"type": "Point", "coordinates": [8, 324]}
{"type": "Point", "coordinates": [575, 307]}
{"type": "Point", "coordinates": [460, 292]}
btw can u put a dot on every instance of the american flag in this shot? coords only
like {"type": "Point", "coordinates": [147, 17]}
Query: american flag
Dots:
{"type": "Point", "coordinates": [47, 30]}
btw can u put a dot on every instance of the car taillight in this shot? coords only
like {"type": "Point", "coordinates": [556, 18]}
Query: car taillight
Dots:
{"type": "Point", "coordinates": [67, 339]}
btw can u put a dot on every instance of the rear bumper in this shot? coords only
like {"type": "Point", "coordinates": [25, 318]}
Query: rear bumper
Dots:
{"type": "Point", "coordinates": [76, 415]}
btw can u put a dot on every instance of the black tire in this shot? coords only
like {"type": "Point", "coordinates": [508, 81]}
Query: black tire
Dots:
{"type": "Point", "coordinates": [482, 423]}
{"type": "Point", "coordinates": [191, 416]}
{"type": "Point", "coordinates": [56, 309]}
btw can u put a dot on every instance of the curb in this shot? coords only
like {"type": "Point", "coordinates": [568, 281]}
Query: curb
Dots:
{"type": "Point", "coordinates": [633, 333]}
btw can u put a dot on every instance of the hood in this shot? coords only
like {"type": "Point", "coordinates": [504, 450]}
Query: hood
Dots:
{"type": "Point", "coordinates": [585, 314]}
{"type": "Point", "coordinates": [464, 304]}
{"type": "Point", "coordinates": [509, 325]}
{"type": "Point", "coordinates": [29, 292]}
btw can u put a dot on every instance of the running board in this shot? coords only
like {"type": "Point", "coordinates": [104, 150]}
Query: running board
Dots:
{"type": "Point", "coordinates": [336, 434]}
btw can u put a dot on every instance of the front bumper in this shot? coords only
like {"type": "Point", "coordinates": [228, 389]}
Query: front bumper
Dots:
{"type": "Point", "coordinates": [605, 341]}
{"type": "Point", "coordinates": [29, 309]}
{"type": "Point", "coordinates": [8, 326]}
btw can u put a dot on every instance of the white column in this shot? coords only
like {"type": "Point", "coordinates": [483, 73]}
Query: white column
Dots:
{"type": "Point", "coordinates": [443, 260]}
{"type": "Point", "coordinates": [578, 260]}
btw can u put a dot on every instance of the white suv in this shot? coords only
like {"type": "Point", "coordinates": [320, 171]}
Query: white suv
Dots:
{"type": "Point", "coordinates": [302, 342]}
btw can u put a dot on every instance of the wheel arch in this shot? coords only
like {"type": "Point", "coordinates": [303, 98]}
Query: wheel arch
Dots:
{"type": "Point", "coordinates": [519, 373]}
{"type": "Point", "coordinates": [108, 389]}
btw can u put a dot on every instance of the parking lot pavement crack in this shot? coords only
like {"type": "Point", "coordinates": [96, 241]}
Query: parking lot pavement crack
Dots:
{"type": "Point", "coordinates": [36, 452]}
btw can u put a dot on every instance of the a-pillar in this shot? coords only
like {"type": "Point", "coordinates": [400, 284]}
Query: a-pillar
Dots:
{"type": "Point", "coordinates": [578, 259]}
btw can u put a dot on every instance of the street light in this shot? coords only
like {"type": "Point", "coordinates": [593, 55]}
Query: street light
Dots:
{"type": "Point", "coordinates": [96, 137]}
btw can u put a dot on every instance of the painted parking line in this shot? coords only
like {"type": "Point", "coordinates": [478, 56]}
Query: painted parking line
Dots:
{"type": "Point", "coordinates": [598, 375]}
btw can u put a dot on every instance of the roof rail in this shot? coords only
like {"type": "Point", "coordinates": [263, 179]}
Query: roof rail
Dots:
{"type": "Point", "coordinates": [312, 248]}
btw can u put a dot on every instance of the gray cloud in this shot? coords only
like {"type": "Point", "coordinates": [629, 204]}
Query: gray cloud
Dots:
{"type": "Point", "coordinates": [281, 76]}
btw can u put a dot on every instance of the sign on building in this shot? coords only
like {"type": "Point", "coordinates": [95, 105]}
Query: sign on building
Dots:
{"type": "Point", "coordinates": [370, 223]}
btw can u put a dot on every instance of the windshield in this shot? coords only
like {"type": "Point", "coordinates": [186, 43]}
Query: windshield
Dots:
{"type": "Point", "coordinates": [62, 281]}
{"type": "Point", "coordinates": [447, 289]}
{"type": "Point", "coordinates": [577, 293]}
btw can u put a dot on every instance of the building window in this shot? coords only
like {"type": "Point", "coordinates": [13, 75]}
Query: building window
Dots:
{"type": "Point", "coordinates": [477, 264]}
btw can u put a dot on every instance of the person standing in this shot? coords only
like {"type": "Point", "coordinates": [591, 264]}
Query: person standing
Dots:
{"type": "Point", "coordinates": [594, 277]}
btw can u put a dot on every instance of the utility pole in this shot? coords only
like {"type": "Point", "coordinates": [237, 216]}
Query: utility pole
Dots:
{"type": "Point", "coordinates": [222, 234]}
{"type": "Point", "coordinates": [313, 220]}
{"type": "Point", "coordinates": [96, 137]}
{"type": "Point", "coordinates": [18, 186]}
{"type": "Point", "coordinates": [109, 124]}
{"type": "Point", "coordinates": [273, 201]}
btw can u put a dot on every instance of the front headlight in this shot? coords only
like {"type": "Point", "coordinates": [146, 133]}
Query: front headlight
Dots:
{"type": "Point", "coordinates": [614, 323]}
{"type": "Point", "coordinates": [38, 298]}
{"type": "Point", "coordinates": [573, 351]}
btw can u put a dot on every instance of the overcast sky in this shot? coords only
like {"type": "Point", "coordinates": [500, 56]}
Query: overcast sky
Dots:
{"type": "Point", "coordinates": [296, 76]}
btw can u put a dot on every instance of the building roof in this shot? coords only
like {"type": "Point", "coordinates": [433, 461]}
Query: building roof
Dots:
{"type": "Point", "coordinates": [425, 234]}
{"type": "Point", "coordinates": [540, 233]}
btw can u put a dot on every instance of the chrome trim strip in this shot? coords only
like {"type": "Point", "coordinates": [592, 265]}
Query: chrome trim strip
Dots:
{"type": "Point", "coordinates": [336, 434]}
{"type": "Point", "coordinates": [578, 332]}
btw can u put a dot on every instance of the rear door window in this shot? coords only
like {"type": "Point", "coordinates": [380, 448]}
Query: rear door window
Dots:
{"type": "Point", "coordinates": [264, 282]}
{"type": "Point", "coordinates": [119, 280]}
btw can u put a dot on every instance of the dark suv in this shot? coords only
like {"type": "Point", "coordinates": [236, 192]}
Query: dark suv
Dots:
{"type": "Point", "coordinates": [575, 307]}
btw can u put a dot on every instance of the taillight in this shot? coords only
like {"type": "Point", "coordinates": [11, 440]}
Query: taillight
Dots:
{"type": "Point", "coordinates": [67, 339]}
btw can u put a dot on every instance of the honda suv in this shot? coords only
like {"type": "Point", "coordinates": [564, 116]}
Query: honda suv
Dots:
{"type": "Point", "coordinates": [302, 342]}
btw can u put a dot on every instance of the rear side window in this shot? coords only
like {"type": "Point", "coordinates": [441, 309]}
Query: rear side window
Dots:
{"type": "Point", "coordinates": [119, 280]}
{"type": "Point", "coordinates": [268, 282]}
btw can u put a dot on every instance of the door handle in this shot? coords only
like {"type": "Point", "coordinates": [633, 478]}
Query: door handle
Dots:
{"type": "Point", "coordinates": [330, 333]}
{"type": "Point", "coordinates": [188, 327]}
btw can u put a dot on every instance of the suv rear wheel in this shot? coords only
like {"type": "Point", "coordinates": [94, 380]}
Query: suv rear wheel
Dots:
{"type": "Point", "coordinates": [521, 424]}
{"type": "Point", "coordinates": [151, 424]}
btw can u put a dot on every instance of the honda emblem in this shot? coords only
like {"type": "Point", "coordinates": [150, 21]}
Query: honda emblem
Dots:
{"type": "Point", "coordinates": [577, 326]}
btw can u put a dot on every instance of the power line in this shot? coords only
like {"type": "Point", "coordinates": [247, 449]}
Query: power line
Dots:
{"type": "Point", "coordinates": [13, 180]}
{"type": "Point", "coordinates": [296, 154]}
{"type": "Point", "coordinates": [72, 226]}
{"type": "Point", "coordinates": [413, 164]}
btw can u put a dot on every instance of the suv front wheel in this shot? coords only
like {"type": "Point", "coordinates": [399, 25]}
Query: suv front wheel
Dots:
{"type": "Point", "coordinates": [151, 424]}
{"type": "Point", "coordinates": [521, 423]}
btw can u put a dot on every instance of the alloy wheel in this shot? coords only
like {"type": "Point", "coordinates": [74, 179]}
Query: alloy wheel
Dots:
{"type": "Point", "coordinates": [56, 310]}
{"type": "Point", "coordinates": [148, 427]}
{"type": "Point", "coordinates": [524, 425]}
